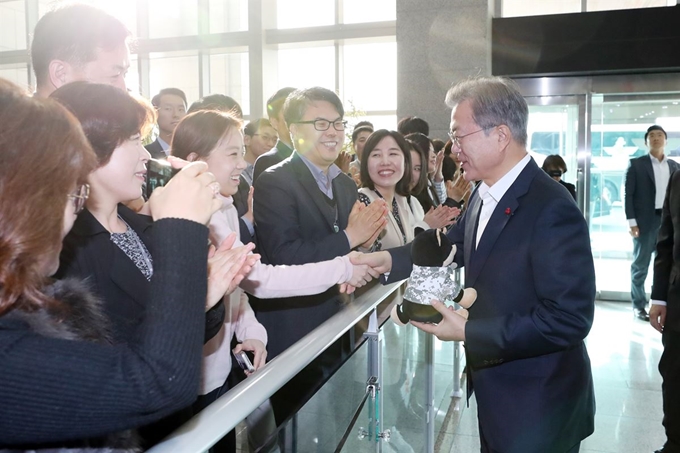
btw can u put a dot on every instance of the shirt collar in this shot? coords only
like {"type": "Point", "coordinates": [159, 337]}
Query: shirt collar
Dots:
{"type": "Point", "coordinates": [654, 159]}
{"type": "Point", "coordinates": [502, 185]}
{"type": "Point", "coordinates": [318, 174]}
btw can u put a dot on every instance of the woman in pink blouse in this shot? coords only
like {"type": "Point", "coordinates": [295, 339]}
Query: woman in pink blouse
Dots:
{"type": "Point", "coordinates": [216, 138]}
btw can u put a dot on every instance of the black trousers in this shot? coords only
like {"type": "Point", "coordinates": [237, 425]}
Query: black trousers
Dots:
{"type": "Point", "coordinates": [669, 367]}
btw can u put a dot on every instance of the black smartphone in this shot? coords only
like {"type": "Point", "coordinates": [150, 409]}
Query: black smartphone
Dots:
{"type": "Point", "coordinates": [158, 173]}
{"type": "Point", "coordinates": [244, 361]}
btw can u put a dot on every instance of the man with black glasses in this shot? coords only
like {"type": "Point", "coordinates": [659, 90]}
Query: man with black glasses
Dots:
{"type": "Point", "coordinates": [306, 211]}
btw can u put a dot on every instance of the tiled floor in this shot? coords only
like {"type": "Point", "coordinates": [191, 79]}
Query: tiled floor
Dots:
{"type": "Point", "coordinates": [624, 353]}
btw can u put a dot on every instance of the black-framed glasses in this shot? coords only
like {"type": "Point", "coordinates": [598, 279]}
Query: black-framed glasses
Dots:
{"type": "Point", "coordinates": [323, 125]}
{"type": "Point", "coordinates": [79, 197]}
{"type": "Point", "coordinates": [457, 138]}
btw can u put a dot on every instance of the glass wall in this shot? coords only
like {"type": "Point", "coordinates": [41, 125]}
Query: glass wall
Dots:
{"type": "Point", "coordinates": [199, 46]}
{"type": "Point", "coordinates": [12, 25]}
{"type": "Point", "coordinates": [617, 135]}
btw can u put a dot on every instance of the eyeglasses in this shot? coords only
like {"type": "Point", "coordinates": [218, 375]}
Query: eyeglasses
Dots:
{"type": "Point", "coordinates": [79, 197]}
{"type": "Point", "coordinates": [457, 138]}
{"type": "Point", "coordinates": [267, 138]}
{"type": "Point", "coordinates": [324, 125]}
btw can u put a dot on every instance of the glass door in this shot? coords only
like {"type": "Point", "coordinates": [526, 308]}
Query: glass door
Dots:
{"type": "Point", "coordinates": [618, 127]}
{"type": "Point", "coordinates": [556, 127]}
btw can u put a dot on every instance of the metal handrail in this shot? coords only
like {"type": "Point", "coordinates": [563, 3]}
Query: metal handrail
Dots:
{"type": "Point", "coordinates": [216, 420]}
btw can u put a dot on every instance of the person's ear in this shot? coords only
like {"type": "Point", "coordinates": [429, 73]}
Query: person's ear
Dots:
{"type": "Point", "coordinates": [60, 73]}
{"type": "Point", "coordinates": [192, 157]}
{"type": "Point", "coordinates": [504, 135]}
{"type": "Point", "coordinates": [246, 139]}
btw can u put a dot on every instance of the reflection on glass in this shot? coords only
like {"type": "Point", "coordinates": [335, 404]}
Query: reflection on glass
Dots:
{"type": "Point", "coordinates": [370, 76]}
{"type": "Point", "coordinates": [174, 69]}
{"type": "Point", "coordinates": [305, 13]}
{"type": "Point", "coordinates": [13, 25]}
{"type": "Point", "coordinates": [172, 18]}
{"type": "Point", "coordinates": [229, 75]}
{"type": "Point", "coordinates": [553, 129]}
{"type": "Point", "coordinates": [227, 16]}
{"type": "Point", "coordinates": [404, 384]}
{"type": "Point", "coordinates": [359, 11]}
{"type": "Point", "coordinates": [307, 67]}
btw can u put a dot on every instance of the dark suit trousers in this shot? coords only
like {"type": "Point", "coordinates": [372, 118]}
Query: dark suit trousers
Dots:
{"type": "Point", "coordinates": [669, 367]}
{"type": "Point", "coordinates": [486, 449]}
{"type": "Point", "coordinates": [643, 246]}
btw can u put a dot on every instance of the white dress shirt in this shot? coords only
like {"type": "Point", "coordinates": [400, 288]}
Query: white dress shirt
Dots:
{"type": "Point", "coordinates": [492, 195]}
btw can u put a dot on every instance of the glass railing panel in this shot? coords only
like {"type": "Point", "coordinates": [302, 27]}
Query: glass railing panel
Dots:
{"type": "Point", "coordinates": [404, 387]}
{"type": "Point", "coordinates": [323, 420]}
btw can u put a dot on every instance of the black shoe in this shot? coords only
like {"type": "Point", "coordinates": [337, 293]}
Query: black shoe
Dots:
{"type": "Point", "coordinates": [641, 314]}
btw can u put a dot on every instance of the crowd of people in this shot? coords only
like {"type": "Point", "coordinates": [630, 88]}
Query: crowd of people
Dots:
{"type": "Point", "coordinates": [119, 314]}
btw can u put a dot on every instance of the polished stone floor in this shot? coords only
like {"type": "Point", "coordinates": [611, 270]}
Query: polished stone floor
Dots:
{"type": "Point", "coordinates": [624, 353]}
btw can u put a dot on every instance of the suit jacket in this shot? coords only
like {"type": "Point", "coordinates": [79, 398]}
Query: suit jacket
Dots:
{"type": "Point", "coordinates": [156, 150]}
{"type": "Point", "coordinates": [295, 226]}
{"type": "Point", "coordinates": [89, 253]}
{"type": "Point", "coordinates": [535, 279]}
{"type": "Point", "coordinates": [280, 152]}
{"type": "Point", "coordinates": [640, 191]}
{"type": "Point", "coordinates": [241, 203]}
{"type": "Point", "coordinates": [666, 284]}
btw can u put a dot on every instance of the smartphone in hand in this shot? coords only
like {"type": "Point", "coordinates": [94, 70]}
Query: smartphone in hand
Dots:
{"type": "Point", "coordinates": [244, 361]}
{"type": "Point", "coordinates": [158, 173]}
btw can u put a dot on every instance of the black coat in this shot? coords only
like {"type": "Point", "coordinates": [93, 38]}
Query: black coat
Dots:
{"type": "Point", "coordinates": [666, 284]}
{"type": "Point", "coordinates": [640, 191]}
{"type": "Point", "coordinates": [58, 391]}
{"type": "Point", "coordinates": [295, 226]}
{"type": "Point", "coordinates": [156, 150]}
{"type": "Point", "coordinates": [89, 253]}
{"type": "Point", "coordinates": [278, 154]}
{"type": "Point", "coordinates": [535, 279]}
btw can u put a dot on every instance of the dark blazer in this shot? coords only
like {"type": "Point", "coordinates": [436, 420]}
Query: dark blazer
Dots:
{"type": "Point", "coordinates": [56, 391]}
{"type": "Point", "coordinates": [241, 205]}
{"type": "Point", "coordinates": [640, 190]}
{"type": "Point", "coordinates": [666, 284]}
{"type": "Point", "coordinates": [88, 253]}
{"type": "Point", "coordinates": [570, 187]}
{"type": "Point", "coordinates": [156, 150]}
{"type": "Point", "coordinates": [295, 226]}
{"type": "Point", "coordinates": [535, 280]}
{"type": "Point", "coordinates": [280, 152]}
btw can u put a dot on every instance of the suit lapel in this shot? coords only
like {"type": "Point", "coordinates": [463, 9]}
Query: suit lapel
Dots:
{"type": "Point", "coordinates": [307, 181]}
{"type": "Point", "coordinates": [646, 162]}
{"type": "Point", "coordinates": [471, 227]}
{"type": "Point", "coordinates": [507, 207]}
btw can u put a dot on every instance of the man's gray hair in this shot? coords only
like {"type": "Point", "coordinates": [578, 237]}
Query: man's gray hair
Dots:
{"type": "Point", "coordinates": [494, 101]}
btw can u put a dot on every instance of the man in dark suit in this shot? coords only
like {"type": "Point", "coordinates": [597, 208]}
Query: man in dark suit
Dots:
{"type": "Point", "coordinates": [646, 181]}
{"type": "Point", "coordinates": [664, 312]}
{"type": "Point", "coordinates": [306, 211]}
{"type": "Point", "coordinates": [526, 251]}
{"type": "Point", "coordinates": [171, 106]}
{"type": "Point", "coordinates": [284, 145]}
